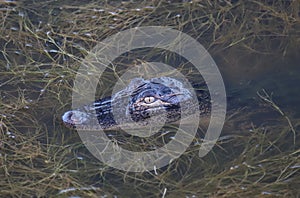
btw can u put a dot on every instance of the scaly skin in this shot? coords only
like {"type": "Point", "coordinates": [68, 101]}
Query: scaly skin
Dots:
{"type": "Point", "coordinates": [143, 102]}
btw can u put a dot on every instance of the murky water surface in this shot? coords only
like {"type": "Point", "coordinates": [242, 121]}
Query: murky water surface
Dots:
{"type": "Point", "coordinates": [41, 49]}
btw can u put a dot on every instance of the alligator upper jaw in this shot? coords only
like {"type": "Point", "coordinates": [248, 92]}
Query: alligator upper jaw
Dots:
{"type": "Point", "coordinates": [90, 121]}
{"type": "Point", "coordinates": [100, 116]}
{"type": "Point", "coordinates": [85, 121]}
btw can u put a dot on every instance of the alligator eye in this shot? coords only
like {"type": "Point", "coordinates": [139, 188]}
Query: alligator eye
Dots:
{"type": "Point", "coordinates": [149, 99]}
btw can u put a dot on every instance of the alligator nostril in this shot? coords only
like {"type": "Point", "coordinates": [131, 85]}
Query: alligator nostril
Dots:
{"type": "Point", "coordinates": [69, 115]}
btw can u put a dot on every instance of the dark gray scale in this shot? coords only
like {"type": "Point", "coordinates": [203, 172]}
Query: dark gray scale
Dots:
{"type": "Point", "coordinates": [104, 113]}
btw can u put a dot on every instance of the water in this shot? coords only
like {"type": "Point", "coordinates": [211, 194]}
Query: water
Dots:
{"type": "Point", "coordinates": [258, 150]}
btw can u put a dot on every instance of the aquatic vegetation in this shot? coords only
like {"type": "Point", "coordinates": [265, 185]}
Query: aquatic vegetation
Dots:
{"type": "Point", "coordinates": [42, 46]}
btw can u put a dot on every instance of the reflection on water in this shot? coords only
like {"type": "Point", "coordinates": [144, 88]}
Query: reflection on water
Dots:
{"type": "Point", "coordinates": [254, 72]}
{"type": "Point", "coordinates": [258, 152]}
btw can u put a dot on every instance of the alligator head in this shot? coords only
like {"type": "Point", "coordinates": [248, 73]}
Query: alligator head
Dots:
{"type": "Point", "coordinates": [142, 102]}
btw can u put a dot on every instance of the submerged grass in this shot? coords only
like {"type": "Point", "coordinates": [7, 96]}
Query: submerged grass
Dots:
{"type": "Point", "coordinates": [41, 48]}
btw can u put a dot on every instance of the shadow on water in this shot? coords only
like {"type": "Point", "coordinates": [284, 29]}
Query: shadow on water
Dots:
{"type": "Point", "coordinates": [255, 45]}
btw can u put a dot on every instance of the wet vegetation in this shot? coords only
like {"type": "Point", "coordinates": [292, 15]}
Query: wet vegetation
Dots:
{"type": "Point", "coordinates": [43, 44]}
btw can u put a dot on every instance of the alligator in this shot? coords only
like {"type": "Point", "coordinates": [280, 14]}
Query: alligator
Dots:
{"type": "Point", "coordinates": [139, 103]}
